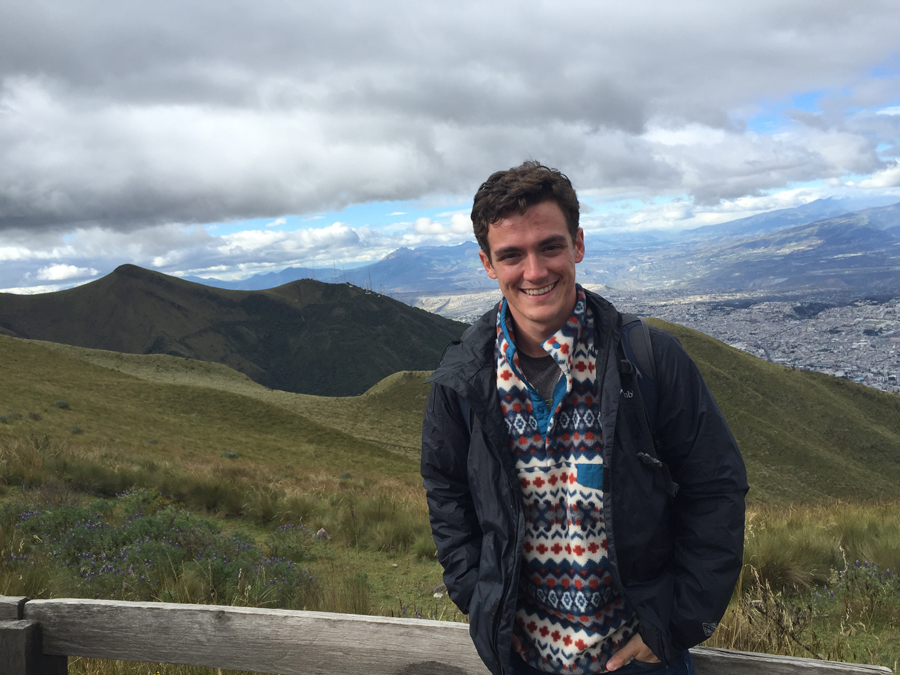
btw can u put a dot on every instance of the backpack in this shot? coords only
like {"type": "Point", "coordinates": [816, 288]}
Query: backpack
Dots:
{"type": "Point", "coordinates": [639, 364]}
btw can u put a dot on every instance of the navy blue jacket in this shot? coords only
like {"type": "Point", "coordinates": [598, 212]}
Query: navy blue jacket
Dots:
{"type": "Point", "coordinates": [675, 560]}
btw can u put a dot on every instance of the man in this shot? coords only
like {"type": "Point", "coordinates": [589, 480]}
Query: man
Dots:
{"type": "Point", "coordinates": [559, 535]}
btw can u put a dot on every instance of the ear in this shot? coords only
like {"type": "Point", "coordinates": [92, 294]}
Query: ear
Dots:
{"type": "Point", "coordinates": [579, 246]}
{"type": "Point", "coordinates": [487, 264]}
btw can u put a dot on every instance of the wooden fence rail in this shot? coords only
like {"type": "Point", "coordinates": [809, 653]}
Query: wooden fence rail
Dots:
{"type": "Point", "coordinates": [38, 636]}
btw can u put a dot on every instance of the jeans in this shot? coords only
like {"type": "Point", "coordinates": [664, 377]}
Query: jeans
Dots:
{"type": "Point", "coordinates": [683, 666]}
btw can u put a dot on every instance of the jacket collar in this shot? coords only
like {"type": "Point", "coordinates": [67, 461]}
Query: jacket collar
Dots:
{"type": "Point", "coordinates": [468, 366]}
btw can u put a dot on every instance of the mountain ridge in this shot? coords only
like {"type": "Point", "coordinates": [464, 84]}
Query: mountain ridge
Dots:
{"type": "Point", "coordinates": [305, 336]}
{"type": "Point", "coordinates": [858, 250]}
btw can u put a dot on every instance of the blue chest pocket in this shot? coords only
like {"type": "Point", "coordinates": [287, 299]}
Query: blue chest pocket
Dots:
{"type": "Point", "coordinates": [590, 475]}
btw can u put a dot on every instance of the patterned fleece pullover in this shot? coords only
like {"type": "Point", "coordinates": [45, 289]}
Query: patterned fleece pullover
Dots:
{"type": "Point", "coordinates": [569, 619]}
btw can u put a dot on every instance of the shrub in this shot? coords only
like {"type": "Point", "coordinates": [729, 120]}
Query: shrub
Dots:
{"type": "Point", "coordinates": [381, 522]}
{"type": "Point", "coordinates": [61, 404]}
{"type": "Point", "coordinates": [39, 443]}
{"type": "Point", "coordinates": [798, 547]}
{"type": "Point", "coordinates": [76, 430]}
{"type": "Point", "coordinates": [262, 505]}
{"type": "Point", "coordinates": [216, 496]}
{"type": "Point", "coordinates": [22, 463]}
{"type": "Point", "coordinates": [14, 416]}
{"type": "Point", "coordinates": [862, 592]}
{"type": "Point", "coordinates": [769, 621]}
{"type": "Point", "coordinates": [34, 416]}
{"type": "Point", "coordinates": [818, 581]}
{"type": "Point", "coordinates": [424, 547]}
{"type": "Point", "coordinates": [297, 509]}
{"type": "Point", "coordinates": [228, 454]}
{"type": "Point", "coordinates": [291, 542]}
{"type": "Point", "coordinates": [141, 547]}
{"type": "Point", "coordinates": [89, 478]}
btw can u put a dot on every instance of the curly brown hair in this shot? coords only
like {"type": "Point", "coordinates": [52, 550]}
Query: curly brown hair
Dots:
{"type": "Point", "coordinates": [516, 189]}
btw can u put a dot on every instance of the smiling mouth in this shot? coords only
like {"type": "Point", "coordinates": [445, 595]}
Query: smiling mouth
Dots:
{"type": "Point", "coordinates": [540, 291]}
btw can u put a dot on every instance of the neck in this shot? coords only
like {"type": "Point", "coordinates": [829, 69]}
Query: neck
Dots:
{"type": "Point", "coordinates": [527, 341]}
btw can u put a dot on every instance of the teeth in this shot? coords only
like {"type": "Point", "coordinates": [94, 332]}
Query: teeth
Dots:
{"type": "Point", "coordinates": [539, 291]}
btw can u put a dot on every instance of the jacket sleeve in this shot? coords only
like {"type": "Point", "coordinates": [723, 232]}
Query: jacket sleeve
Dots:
{"type": "Point", "coordinates": [708, 513]}
{"type": "Point", "coordinates": [454, 524]}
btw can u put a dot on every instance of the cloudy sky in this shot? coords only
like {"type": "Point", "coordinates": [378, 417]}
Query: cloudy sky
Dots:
{"type": "Point", "coordinates": [223, 138]}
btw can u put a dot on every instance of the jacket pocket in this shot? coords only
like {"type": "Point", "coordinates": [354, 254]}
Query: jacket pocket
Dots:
{"type": "Point", "coordinates": [589, 475]}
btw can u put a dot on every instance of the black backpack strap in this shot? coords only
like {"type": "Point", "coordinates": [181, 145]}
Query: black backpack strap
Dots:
{"type": "Point", "coordinates": [640, 366]}
{"type": "Point", "coordinates": [640, 344]}
{"type": "Point", "coordinates": [639, 350]}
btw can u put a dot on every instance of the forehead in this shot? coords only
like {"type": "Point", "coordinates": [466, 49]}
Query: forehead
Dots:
{"type": "Point", "coordinates": [538, 222]}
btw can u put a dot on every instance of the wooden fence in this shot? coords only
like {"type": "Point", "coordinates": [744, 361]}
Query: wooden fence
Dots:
{"type": "Point", "coordinates": [38, 636]}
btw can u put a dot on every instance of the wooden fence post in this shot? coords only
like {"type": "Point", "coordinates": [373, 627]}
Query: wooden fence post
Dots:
{"type": "Point", "coordinates": [21, 654]}
{"type": "Point", "coordinates": [21, 650]}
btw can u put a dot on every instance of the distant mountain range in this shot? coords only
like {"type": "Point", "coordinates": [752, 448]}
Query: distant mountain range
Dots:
{"type": "Point", "coordinates": [825, 244]}
{"type": "Point", "coordinates": [783, 218]}
{"type": "Point", "coordinates": [306, 336]}
{"type": "Point", "coordinates": [853, 251]}
{"type": "Point", "coordinates": [445, 267]}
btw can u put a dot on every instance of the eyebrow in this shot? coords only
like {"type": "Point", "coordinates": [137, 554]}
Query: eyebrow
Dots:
{"type": "Point", "coordinates": [555, 239]}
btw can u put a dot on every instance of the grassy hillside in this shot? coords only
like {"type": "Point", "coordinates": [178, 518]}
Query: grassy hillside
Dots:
{"type": "Point", "coordinates": [218, 451]}
{"type": "Point", "coordinates": [116, 410]}
{"type": "Point", "coordinates": [389, 414]}
{"type": "Point", "coordinates": [803, 435]}
{"type": "Point", "coordinates": [306, 336]}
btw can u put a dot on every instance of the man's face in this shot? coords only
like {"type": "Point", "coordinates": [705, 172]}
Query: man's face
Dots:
{"type": "Point", "coordinates": [533, 259]}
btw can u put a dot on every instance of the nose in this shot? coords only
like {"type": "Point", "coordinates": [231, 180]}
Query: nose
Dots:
{"type": "Point", "coordinates": [535, 269]}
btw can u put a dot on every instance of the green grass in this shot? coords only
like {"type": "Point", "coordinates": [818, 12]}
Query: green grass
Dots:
{"type": "Point", "coordinates": [803, 435]}
{"type": "Point", "coordinates": [389, 414]}
{"type": "Point", "coordinates": [819, 581]}
{"type": "Point", "coordinates": [192, 425]}
{"type": "Point", "coordinates": [288, 468]}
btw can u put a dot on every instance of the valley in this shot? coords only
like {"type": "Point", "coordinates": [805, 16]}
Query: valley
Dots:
{"type": "Point", "coordinates": [858, 341]}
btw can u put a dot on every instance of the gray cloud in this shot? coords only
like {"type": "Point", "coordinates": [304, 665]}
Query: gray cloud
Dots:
{"type": "Point", "coordinates": [133, 114]}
